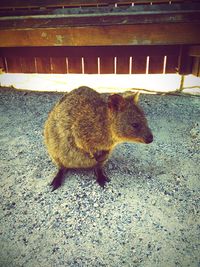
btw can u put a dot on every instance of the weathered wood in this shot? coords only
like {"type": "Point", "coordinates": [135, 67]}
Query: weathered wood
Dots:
{"type": "Point", "coordinates": [194, 51]}
{"type": "Point", "coordinates": [75, 64]}
{"type": "Point", "coordinates": [100, 20]}
{"type": "Point", "coordinates": [196, 66]}
{"type": "Point", "coordinates": [94, 51]}
{"type": "Point", "coordinates": [185, 61]}
{"type": "Point", "coordinates": [90, 64]}
{"type": "Point", "coordinates": [150, 34]}
{"type": "Point", "coordinates": [13, 65]}
{"type": "Point", "coordinates": [107, 65]}
{"type": "Point", "coordinates": [27, 64]}
{"type": "Point", "coordinates": [58, 65]}
{"type": "Point", "coordinates": [139, 65]}
{"type": "Point", "coordinates": [73, 17]}
{"type": "Point", "coordinates": [2, 65]}
{"type": "Point", "coordinates": [5, 4]}
{"type": "Point", "coordinates": [171, 64]}
{"type": "Point", "coordinates": [156, 64]}
{"type": "Point", "coordinates": [57, 62]}
{"type": "Point", "coordinates": [43, 65]}
{"type": "Point", "coordinates": [123, 64]}
{"type": "Point", "coordinates": [94, 11]}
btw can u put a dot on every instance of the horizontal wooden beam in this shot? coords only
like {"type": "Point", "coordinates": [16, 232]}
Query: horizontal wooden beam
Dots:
{"type": "Point", "coordinates": [102, 20]}
{"type": "Point", "coordinates": [6, 4]}
{"type": "Point", "coordinates": [150, 34]}
{"type": "Point", "coordinates": [101, 16]}
{"type": "Point", "coordinates": [115, 10]}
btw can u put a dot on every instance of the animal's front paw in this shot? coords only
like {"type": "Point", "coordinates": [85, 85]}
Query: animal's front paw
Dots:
{"type": "Point", "coordinates": [102, 180]}
{"type": "Point", "coordinates": [102, 183]}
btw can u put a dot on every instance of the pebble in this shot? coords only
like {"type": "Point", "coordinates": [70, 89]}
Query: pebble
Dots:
{"type": "Point", "coordinates": [135, 221]}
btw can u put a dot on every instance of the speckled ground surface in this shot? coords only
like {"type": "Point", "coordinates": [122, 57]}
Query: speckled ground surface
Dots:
{"type": "Point", "coordinates": [148, 215]}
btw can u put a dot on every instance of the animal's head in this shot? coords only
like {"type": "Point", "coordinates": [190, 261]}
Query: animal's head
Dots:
{"type": "Point", "coordinates": [128, 120]}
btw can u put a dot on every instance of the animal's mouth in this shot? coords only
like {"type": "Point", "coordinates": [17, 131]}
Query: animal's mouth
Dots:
{"type": "Point", "coordinates": [144, 140]}
{"type": "Point", "coordinates": [147, 140]}
{"type": "Point", "coordinates": [137, 140]}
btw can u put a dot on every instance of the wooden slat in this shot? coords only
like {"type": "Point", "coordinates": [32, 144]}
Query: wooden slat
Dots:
{"type": "Point", "coordinates": [59, 3]}
{"type": "Point", "coordinates": [91, 64]}
{"type": "Point", "coordinates": [58, 65]}
{"type": "Point", "coordinates": [75, 64]}
{"type": "Point", "coordinates": [171, 64]}
{"type": "Point", "coordinates": [107, 65]}
{"type": "Point", "coordinates": [185, 61]}
{"type": "Point", "coordinates": [13, 65]}
{"type": "Point", "coordinates": [139, 65]}
{"type": "Point", "coordinates": [196, 66]}
{"type": "Point", "coordinates": [27, 64]}
{"type": "Point", "coordinates": [2, 65]}
{"type": "Point", "coordinates": [107, 35]}
{"type": "Point", "coordinates": [156, 64]}
{"type": "Point", "coordinates": [194, 50]}
{"type": "Point", "coordinates": [123, 64]}
{"type": "Point", "coordinates": [55, 58]}
{"type": "Point", "coordinates": [43, 65]}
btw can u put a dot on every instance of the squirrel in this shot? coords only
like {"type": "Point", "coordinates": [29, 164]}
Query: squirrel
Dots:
{"type": "Point", "coordinates": [84, 126]}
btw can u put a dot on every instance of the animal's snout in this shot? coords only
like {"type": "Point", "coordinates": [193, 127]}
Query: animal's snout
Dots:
{"type": "Point", "coordinates": [149, 139]}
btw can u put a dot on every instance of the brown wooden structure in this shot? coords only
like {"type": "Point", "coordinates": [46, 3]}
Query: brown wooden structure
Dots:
{"type": "Point", "coordinates": [100, 36]}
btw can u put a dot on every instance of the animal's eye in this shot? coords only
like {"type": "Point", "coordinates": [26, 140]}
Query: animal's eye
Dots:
{"type": "Point", "coordinates": [136, 125]}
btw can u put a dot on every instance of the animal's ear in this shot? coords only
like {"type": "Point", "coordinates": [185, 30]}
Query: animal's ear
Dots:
{"type": "Point", "coordinates": [116, 102]}
{"type": "Point", "coordinates": [136, 97]}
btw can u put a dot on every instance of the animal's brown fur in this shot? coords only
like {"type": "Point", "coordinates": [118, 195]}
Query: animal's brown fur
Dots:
{"type": "Point", "coordinates": [84, 126]}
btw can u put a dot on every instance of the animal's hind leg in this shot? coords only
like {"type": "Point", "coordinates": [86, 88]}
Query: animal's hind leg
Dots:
{"type": "Point", "coordinates": [59, 178]}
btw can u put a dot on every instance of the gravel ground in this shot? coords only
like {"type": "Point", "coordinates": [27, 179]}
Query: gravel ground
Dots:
{"type": "Point", "coordinates": [148, 215]}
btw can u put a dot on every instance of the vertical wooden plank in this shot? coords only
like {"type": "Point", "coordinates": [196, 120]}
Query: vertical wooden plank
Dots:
{"type": "Point", "coordinates": [156, 64]}
{"type": "Point", "coordinates": [13, 65]}
{"type": "Point", "coordinates": [91, 65]}
{"type": "Point", "coordinates": [123, 64]}
{"type": "Point", "coordinates": [27, 64]}
{"type": "Point", "coordinates": [171, 64]}
{"type": "Point", "coordinates": [2, 65]}
{"type": "Point", "coordinates": [185, 61]}
{"type": "Point", "coordinates": [196, 66]}
{"type": "Point", "coordinates": [58, 65]}
{"type": "Point", "coordinates": [75, 64]}
{"type": "Point", "coordinates": [107, 65]}
{"type": "Point", "coordinates": [43, 65]}
{"type": "Point", "coordinates": [139, 64]}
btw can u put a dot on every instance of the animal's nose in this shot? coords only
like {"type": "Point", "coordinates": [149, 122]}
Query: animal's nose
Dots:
{"type": "Point", "coordinates": [149, 139]}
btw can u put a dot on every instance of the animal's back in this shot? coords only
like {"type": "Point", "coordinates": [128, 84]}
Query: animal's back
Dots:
{"type": "Point", "coordinates": [76, 117]}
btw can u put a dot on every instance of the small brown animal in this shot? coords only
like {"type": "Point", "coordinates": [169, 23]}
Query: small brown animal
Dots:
{"type": "Point", "coordinates": [84, 127]}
